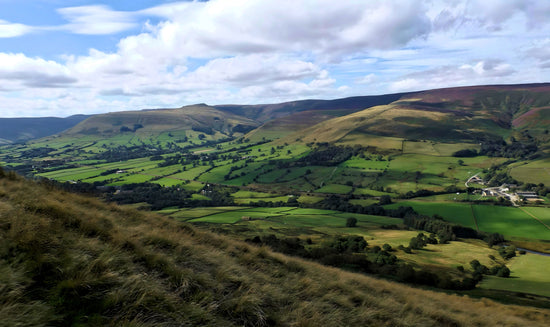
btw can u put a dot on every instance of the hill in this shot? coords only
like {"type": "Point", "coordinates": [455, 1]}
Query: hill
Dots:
{"type": "Point", "coordinates": [467, 114]}
{"type": "Point", "coordinates": [71, 260]}
{"type": "Point", "coordinates": [201, 118]}
{"type": "Point", "coordinates": [22, 129]}
{"type": "Point", "coordinates": [340, 107]}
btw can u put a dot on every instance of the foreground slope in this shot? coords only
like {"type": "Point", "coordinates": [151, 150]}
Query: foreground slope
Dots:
{"type": "Point", "coordinates": [67, 259]}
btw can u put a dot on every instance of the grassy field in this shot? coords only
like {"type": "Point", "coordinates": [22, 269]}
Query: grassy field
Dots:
{"type": "Point", "coordinates": [533, 172]}
{"type": "Point", "coordinates": [509, 221]}
{"type": "Point", "coordinates": [460, 213]}
{"type": "Point", "coordinates": [529, 274]}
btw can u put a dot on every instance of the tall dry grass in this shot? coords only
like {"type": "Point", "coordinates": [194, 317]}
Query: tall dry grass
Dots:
{"type": "Point", "coordinates": [70, 260]}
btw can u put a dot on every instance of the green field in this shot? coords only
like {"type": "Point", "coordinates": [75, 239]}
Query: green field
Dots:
{"type": "Point", "coordinates": [529, 274]}
{"type": "Point", "coordinates": [509, 221]}
{"type": "Point", "coordinates": [533, 172]}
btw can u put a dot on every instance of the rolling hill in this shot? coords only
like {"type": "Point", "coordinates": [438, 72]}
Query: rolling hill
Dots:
{"type": "Point", "coordinates": [201, 118]}
{"type": "Point", "coordinates": [71, 260]}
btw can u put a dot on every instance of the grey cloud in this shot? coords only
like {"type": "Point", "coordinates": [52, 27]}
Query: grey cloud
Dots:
{"type": "Point", "coordinates": [35, 79]}
{"type": "Point", "coordinates": [117, 92]}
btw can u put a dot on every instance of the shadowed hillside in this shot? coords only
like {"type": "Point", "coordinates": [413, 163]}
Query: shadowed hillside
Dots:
{"type": "Point", "coordinates": [71, 260]}
{"type": "Point", "coordinates": [22, 129]}
{"type": "Point", "coordinates": [340, 107]}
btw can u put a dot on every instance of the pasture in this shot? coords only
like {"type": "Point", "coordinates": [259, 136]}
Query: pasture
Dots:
{"type": "Point", "coordinates": [532, 172]}
{"type": "Point", "coordinates": [508, 221]}
{"type": "Point", "coordinates": [529, 274]}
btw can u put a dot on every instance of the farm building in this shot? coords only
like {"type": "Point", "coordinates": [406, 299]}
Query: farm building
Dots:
{"type": "Point", "coordinates": [529, 196]}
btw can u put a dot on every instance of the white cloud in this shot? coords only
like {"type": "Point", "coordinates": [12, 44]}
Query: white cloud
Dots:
{"type": "Point", "coordinates": [368, 79]}
{"type": "Point", "coordinates": [96, 20]}
{"type": "Point", "coordinates": [8, 29]}
{"type": "Point", "coordinates": [18, 71]}
{"type": "Point", "coordinates": [478, 73]}
{"type": "Point", "coordinates": [250, 51]}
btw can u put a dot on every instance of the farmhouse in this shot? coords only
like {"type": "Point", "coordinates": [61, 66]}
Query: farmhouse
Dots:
{"type": "Point", "coordinates": [476, 179]}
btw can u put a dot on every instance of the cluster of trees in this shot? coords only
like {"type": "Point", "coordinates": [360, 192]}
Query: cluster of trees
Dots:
{"type": "Point", "coordinates": [352, 252]}
{"type": "Point", "coordinates": [479, 270]}
{"type": "Point", "coordinates": [444, 230]}
{"type": "Point", "coordinates": [466, 153]}
{"type": "Point", "coordinates": [37, 152]}
{"type": "Point", "coordinates": [497, 147]}
{"type": "Point", "coordinates": [329, 155]}
{"type": "Point", "coordinates": [339, 203]}
{"type": "Point", "coordinates": [123, 153]}
{"type": "Point", "coordinates": [507, 252]}
{"type": "Point", "coordinates": [128, 129]}
{"type": "Point", "coordinates": [159, 197]}
{"type": "Point", "coordinates": [203, 129]}
{"type": "Point", "coordinates": [421, 240]}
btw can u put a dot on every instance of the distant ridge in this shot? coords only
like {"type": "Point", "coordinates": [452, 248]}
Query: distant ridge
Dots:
{"type": "Point", "coordinates": [24, 129]}
{"type": "Point", "coordinates": [494, 107]}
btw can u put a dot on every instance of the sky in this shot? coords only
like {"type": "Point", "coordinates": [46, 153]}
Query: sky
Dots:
{"type": "Point", "coordinates": [60, 58]}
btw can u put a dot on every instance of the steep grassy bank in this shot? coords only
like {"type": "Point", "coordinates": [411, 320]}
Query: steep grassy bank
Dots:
{"type": "Point", "coordinates": [70, 260]}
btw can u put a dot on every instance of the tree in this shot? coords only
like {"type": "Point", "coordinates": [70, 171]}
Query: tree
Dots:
{"type": "Point", "coordinates": [385, 199]}
{"type": "Point", "coordinates": [351, 222]}
{"type": "Point", "coordinates": [503, 272]}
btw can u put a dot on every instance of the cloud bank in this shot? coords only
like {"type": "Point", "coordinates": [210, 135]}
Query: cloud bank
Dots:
{"type": "Point", "coordinates": [258, 51]}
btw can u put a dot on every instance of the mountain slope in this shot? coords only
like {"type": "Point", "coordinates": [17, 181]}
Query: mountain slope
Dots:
{"type": "Point", "coordinates": [468, 114]}
{"type": "Point", "coordinates": [338, 107]}
{"type": "Point", "coordinates": [68, 260]}
{"type": "Point", "coordinates": [22, 129]}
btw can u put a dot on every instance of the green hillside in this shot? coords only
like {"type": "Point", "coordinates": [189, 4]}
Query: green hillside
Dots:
{"type": "Point", "coordinates": [68, 260]}
{"type": "Point", "coordinates": [469, 114]}
{"type": "Point", "coordinates": [200, 118]}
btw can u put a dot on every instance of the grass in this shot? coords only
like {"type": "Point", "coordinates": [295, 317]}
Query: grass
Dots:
{"type": "Point", "coordinates": [459, 213]}
{"type": "Point", "coordinates": [542, 214]}
{"type": "Point", "coordinates": [532, 172]}
{"type": "Point", "coordinates": [509, 221]}
{"type": "Point", "coordinates": [529, 274]}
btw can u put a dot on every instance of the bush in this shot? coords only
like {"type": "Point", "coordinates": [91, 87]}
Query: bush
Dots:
{"type": "Point", "coordinates": [351, 222]}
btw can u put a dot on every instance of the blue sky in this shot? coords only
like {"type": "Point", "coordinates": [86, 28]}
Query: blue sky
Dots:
{"type": "Point", "coordinates": [59, 58]}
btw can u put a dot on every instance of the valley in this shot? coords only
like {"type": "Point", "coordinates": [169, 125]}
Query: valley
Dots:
{"type": "Point", "coordinates": [293, 177]}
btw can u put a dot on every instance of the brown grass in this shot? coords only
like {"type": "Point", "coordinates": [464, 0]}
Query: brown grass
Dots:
{"type": "Point", "coordinates": [67, 260]}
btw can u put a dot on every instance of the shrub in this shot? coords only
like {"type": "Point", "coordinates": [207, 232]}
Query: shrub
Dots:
{"type": "Point", "coordinates": [351, 222]}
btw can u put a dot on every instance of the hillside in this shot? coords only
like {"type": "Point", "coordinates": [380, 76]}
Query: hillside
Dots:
{"type": "Point", "coordinates": [200, 118]}
{"type": "Point", "coordinates": [338, 107]}
{"type": "Point", "coordinates": [22, 129]}
{"type": "Point", "coordinates": [468, 114]}
{"type": "Point", "coordinates": [68, 259]}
